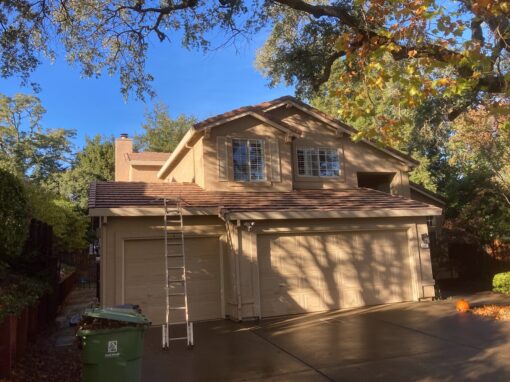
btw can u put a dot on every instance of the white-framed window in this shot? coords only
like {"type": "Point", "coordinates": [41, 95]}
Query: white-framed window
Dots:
{"type": "Point", "coordinates": [313, 161]}
{"type": "Point", "coordinates": [248, 160]}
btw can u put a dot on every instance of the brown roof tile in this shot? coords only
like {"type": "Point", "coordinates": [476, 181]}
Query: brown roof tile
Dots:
{"type": "Point", "coordinates": [148, 156]}
{"type": "Point", "coordinates": [138, 194]}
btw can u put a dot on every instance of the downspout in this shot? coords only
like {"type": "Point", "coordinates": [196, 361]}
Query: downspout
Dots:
{"type": "Point", "coordinates": [237, 263]}
{"type": "Point", "coordinates": [238, 275]}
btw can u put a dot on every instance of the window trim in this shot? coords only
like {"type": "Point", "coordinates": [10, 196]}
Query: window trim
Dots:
{"type": "Point", "coordinates": [264, 164]}
{"type": "Point", "coordinates": [339, 152]}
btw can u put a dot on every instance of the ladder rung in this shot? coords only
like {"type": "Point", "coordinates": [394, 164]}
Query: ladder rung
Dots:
{"type": "Point", "coordinates": [175, 281]}
{"type": "Point", "coordinates": [177, 323]}
{"type": "Point", "coordinates": [174, 244]}
{"type": "Point", "coordinates": [181, 267]}
{"type": "Point", "coordinates": [176, 294]}
{"type": "Point", "coordinates": [175, 256]}
{"type": "Point", "coordinates": [177, 308]}
{"type": "Point", "coordinates": [178, 338]}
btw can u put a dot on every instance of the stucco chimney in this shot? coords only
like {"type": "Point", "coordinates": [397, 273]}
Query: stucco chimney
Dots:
{"type": "Point", "coordinates": [123, 146]}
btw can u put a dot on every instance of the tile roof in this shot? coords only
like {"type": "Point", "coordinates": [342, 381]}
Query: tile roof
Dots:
{"type": "Point", "coordinates": [138, 194]}
{"type": "Point", "coordinates": [148, 156]}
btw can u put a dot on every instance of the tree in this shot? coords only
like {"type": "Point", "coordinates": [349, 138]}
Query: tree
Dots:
{"type": "Point", "coordinates": [25, 147]}
{"type": "Point", "coordinates": [95, 162]}
{"type": "Point", "coordinates": [70, 225]}
{"type": "Point", "coordinates": [161, 132]}
{"type": "Point", "coordinates": [455, 51]}
{"type": "Point", "coordinates": [481, 144]}
{"type": "Point", "coordinates": [14, 215]}
{"type": "Point", "coordinates": [450, 54]}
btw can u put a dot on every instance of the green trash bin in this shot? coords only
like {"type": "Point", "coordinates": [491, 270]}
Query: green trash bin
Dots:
{"type": "Point", "coordinates": [112, 344]}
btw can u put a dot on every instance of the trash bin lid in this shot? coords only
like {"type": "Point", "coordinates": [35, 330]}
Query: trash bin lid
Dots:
{"type": "Point", "coordinates": [117, 314]}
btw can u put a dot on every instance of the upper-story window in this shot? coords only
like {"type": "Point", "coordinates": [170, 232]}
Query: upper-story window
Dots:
{"type": "Point", "coordinates": [248, 160]}
{"type": "Point", "coordinates": [313, 161]}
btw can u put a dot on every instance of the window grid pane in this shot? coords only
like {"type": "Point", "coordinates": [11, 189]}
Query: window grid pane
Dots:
{"type": "Point", "coordinates": [256, 160]}
{"type": "Point", "coordinates": [248, 160]}
{"type": "Point", "coordinates": [318, 162]}
{"type": "Point", "coordinates": [240, 159]}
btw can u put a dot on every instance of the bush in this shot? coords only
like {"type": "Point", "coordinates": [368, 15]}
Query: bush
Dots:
{"type": "Point", "coordinates": [20, 292]}
{"type": "Point", "coordinates": [501, 283]}
{"type": "Point", "coordinates": [14, 215]}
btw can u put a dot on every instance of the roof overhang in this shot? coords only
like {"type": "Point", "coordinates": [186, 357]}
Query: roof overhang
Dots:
{"type": "Point", "coordinates": [269, 215]}
{"type": "Point", "coordinates": [148, 211]}
{"type": "Point", "coordinates": [333, 214]}
{"type": "Point", "coordinates": [429, 194]}
{"type": "Point", "coordinates": [146, 162]}
{"type": "Point", "coordinates": [338, 126]}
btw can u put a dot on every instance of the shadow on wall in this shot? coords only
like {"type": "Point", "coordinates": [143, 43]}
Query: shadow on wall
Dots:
{"type": "Point", "coordinates": [314, 272]}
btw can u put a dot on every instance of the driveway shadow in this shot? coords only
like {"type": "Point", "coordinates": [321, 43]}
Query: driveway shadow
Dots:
{"type": "Point", "coordinates": [426, 341]}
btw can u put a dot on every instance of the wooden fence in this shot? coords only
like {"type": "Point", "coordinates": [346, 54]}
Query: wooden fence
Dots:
{"type": "Point", "coordinates": [17, 331]}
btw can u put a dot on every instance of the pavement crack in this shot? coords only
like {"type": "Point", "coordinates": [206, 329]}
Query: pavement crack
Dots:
{"type": "Point", "coordinates": [293, 356]}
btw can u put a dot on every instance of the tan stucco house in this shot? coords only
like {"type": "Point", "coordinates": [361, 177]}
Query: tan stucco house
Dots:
{"type": "Point", "coordinates": [283, 214]}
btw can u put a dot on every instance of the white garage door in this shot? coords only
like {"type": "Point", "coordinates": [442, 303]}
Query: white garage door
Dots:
{"type": "Point", "coordinates": [144, 278]}
{"type": "Point", "coordinates": [312, 272]}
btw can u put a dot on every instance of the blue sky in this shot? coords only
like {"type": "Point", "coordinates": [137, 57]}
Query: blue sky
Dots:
{"type": "Point", "coordinates": [188, 82]}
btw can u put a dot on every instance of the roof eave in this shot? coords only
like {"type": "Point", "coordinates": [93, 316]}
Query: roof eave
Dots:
{"type": "Point", "coordinates": [181, 149]}
{"type": "Point", "coordinates": [332, 214]}
{"type": "Point", "coordinates": [270, 215]}
{"type": "Point", "coordinates": [344, 128]}
{"type": "Point", "coordinates": [428, 194]}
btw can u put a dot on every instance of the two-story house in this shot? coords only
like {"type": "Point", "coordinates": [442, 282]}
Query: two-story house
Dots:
{"type": "Point", "coordinates": [283, 214]}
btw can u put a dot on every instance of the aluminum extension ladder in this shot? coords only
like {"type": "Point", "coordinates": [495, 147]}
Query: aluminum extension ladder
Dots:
{"type": "Point", "coordinates": [176, 289]}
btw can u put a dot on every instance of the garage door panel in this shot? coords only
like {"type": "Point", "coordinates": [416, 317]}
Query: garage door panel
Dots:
{"type": "Point", "coordinates": [144, 278]}
{"type": "Point", "coordinates": [333, 270]}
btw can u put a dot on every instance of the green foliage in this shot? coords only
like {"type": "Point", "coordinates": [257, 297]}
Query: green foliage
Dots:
{"type": "Point", "coordinates": [14, 215]}
{"type": "Point", "coordinates": [69, 225]}
{"type": "Point", "coordinates": [20, 293]}
{"type": "Point", "coordinates": [161, 132]}
{"type": "Point", "coordinates": [501, 283]}
{"type": "Point", "coordinates": [95, 162]}
{"type": "Point", "coordinates": [108, 36]}
{"type": "Point", "coordinates": [26, 148]}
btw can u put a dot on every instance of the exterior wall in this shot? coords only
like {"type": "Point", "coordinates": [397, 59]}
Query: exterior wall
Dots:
{"type": "Point", "coordinates": [243, 255]}
{"type": "Point", "coordinates": [240, 289]}
{"type": "Point", "coordinates": [144, 174]}
{"type": "Point", "coordinates": [190, 168]}
{"type": "Point", "coordinates": [123, 146]}
{"type": "Point", "coordinates": [355, 157]}
{"type": "Point", "coordinates": [247, 127]}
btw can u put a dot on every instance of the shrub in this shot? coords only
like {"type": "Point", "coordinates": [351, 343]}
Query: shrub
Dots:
{"type": "Point", "coordinates": [501, 282]}
{"type": "Point", "coordinates": [20, 292]}
{"type": "Point", "coordinates": [14, 215]}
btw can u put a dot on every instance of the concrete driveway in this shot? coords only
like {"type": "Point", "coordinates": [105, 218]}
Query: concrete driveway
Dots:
{"type": "Point", "coordinates": [425, 341]}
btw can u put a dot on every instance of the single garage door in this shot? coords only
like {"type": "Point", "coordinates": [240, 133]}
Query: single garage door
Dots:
{"type": "Point", "coordinates": [312, 272]}
{"type": "Point", "coordinates": [144, 278]}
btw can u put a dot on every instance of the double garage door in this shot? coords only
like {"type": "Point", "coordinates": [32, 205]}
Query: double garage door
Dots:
{"type": "Point", "coordinates": [144, 278]}
{"type": "Point", "coordinates": [297, 273]}
{"type": "Point", "coordinates": [312, 272]}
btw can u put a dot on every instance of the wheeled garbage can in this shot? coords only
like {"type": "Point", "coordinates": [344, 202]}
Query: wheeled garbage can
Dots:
{"type": "Point", "coordinates": [112, 344]}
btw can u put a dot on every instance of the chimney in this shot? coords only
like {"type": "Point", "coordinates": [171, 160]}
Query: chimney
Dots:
{"type": "Point", "coordinates": [123, 146]}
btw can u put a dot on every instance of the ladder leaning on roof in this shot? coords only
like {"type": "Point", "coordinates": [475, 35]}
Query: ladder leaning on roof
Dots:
{"type": "Point", "coordinates": [176, 289]}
